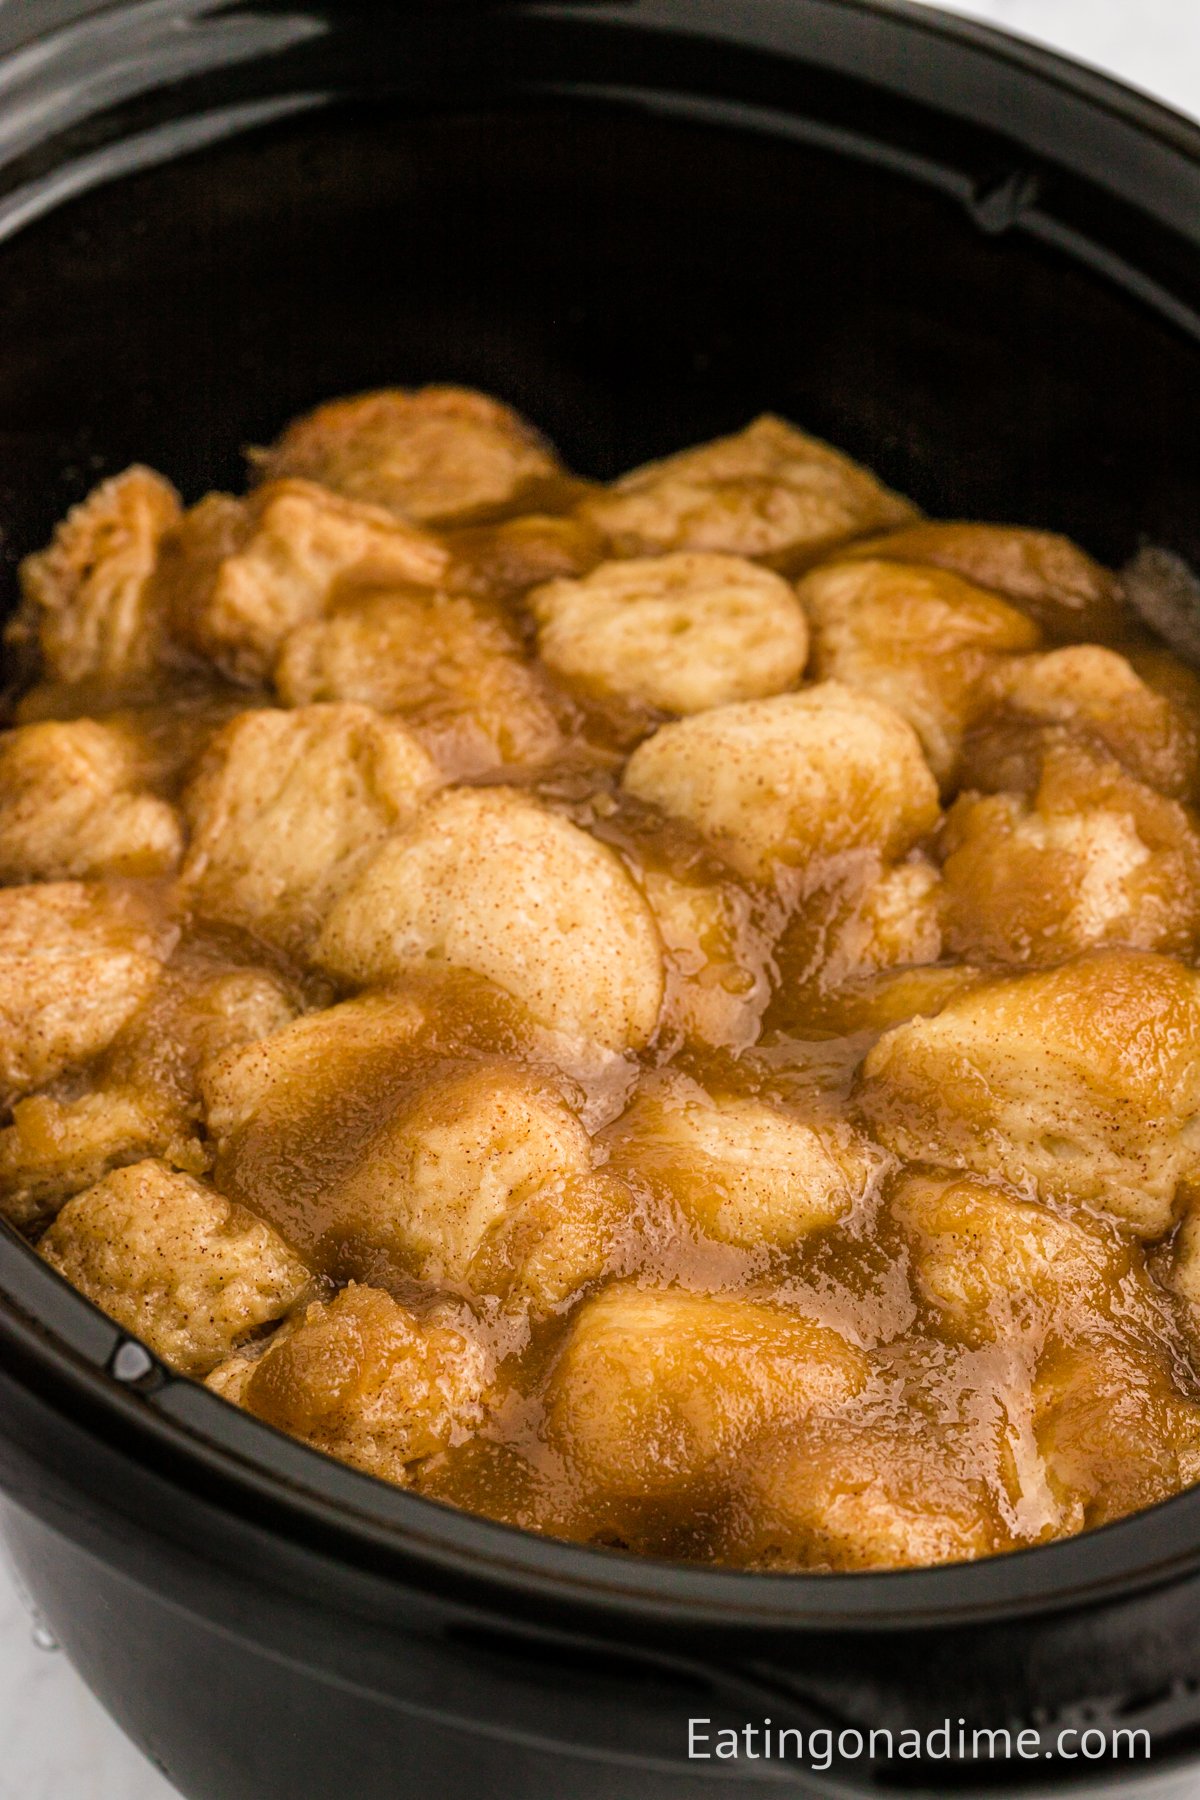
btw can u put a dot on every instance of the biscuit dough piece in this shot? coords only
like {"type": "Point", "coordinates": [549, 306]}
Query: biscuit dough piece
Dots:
{"type": "Point", "coordinates": [1092, 858]}
{"type": "Point", "coordinates": [501, 562]}
{"type": "Point", "coordinates": [487, 880]}
{"type": "Point", "coordinates": [161, 726]}
{"type": "Point", "coordinates": [55, 1148]}
{"type": "Point", "coordinates": [1061, 588]}
{"type": "Point", "coordinates": [338, 1049]}
{"type": "Point", "coordinates": [790, 780]}
{"type": "Point", "coordinates": [455, 1162]}
{"type": "Point", "coordinates": [436, 455]}
{"type": "Point", "coordinates": [72, 806]}
{"type": "Point", "coordinates": [1184, 1268]}
{"type": "Point", "coordinates": [740, 1170]}
{"type": "Point", "coordinates": [175, 1263]}
{"type": "Point", "coordinates": [1097, 693]}
{"type": "Point", "coordinates": [998, 1267]}
{"type": "Point", "coordinates": [76, 963]}
{"type": "Point", "coordinates": [656, 1392]}
{"type": "Point", "coordinates": [452, 667]}
{"type": "Point", "coordinates": [681, 633]}
{"type": "Point", "coordinates": [291, 1117]}
{"type": "Point", "coordinates": [557, 1242]}
{"type": "Point", "coordinates": [481, 1179]}
{"type": "Point", "coordinates": [199, 1010]}
{"type": "Point", "coordinates": [145, 1101]}
{"type": "Point", "coordinates": [897, 920]}
{"type": "Point", "coordinates": [876, 1003]}
{"type": "Point", "coordinates": [718, 958]}
{"type": "Point", "coordinates": [243, 573]}
{"type": "Point", "coordinates": [768, 492]}
{"type": "Point", "coordinates": [364, 1379]}
{"type": "Point", "coordinates": [287, 806]}
{"type": "Point", "coordinates": [870, 919]}
{"type": "Point", "coordinates": [918, 639]}
{"type": "Point", "coordinates": [1080, 1083]}
{"type": "Point", "coordinates": [1173, 681]}
{"type": "Point", "coordinates": [1116, 1435]}
{"type": "Point", "coordinates": [91, 600]}
{"type": "Point", "coordinates": [870, 1494]}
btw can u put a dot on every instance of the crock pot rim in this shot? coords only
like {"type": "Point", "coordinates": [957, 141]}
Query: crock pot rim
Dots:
{"type": "Point", "coordinates": [1125, 99]}
{"type": "Point", "coordinates": [307, 1492]}
{"type": "Point", "coordinates": [351, 1515]}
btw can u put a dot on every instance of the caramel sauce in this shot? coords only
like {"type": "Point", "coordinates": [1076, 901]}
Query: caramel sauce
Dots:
{"type": "Point", "coordinates": [994, 1393]}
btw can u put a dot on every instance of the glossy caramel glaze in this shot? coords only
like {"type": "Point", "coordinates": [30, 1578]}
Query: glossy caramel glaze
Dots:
{"type": "Point", "coordinates": [663, 1014]}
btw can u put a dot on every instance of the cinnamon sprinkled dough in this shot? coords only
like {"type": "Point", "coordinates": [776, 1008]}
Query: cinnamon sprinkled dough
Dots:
{"type": "Point", "coordinates": [661, 1013]}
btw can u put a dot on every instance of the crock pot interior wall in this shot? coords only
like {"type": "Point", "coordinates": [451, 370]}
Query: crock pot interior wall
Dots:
{"type": "Point", "coordinates": [634, 283]}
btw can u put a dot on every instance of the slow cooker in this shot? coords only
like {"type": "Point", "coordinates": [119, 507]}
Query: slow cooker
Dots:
{"type": "Point", "coordinates": [970, 263]}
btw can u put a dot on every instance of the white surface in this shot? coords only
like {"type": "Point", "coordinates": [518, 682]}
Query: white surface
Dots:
{"type": "Point", "coordinates": [55, 1742]}
{"type": "Point", "coordinates": [1151, 44]}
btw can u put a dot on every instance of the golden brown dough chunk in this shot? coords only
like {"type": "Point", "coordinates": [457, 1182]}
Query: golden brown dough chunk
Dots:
{"type": "Point", "coordinates": [870, 1494]}
{"type": "Point", "coordinates": [897, 920]}
{"type": "Point", "coordinates": [291, 1116]}
{"type": "Point", "coordinates": [487, 880]}
{"type": "Point", "coordinates": [175, 1263]}
{"type": "Point", "coordinates": [867, 919]}
{"type": "Point", "coordinates": [657, 1392]}
{"type": "Point", "coordinates": [718, 958]}
{"type": "Point", "coordinates": [91, 600]}
{"type": "Point", "coordinates": [1173, 682]}
{"type": "Point", "coordinates": [453, 1165]}
{"type": "Point", "coordinates": [1047, 576]}
{"type": "Point", "coordinates": [56, 1148]}
{"type": "Point", "coordinates": [450, 666]}
{"type": "Point", "coordinates": [740, 1170]}
{"type": "Point", "coordinates": [919, 639]}
{"type": "Point", "coordinates": [1093, 858]}
{"type": "Point", "coordinates": [351, 1131]}
{"type": "Point", "coordinates": [364, 1379]}
{"type": "Point", "coordinates": [1081, 1082]}
{"type": "Point", "coordinates": [995, 1266]}
{"type": "Point", "coordinates": [790, 780]}
{"type": "Point", "coordinates": [337, 1052]}
{"type": "Point", "coordinates": [681, 633]}
{"type": "Point", "coordinates": [162, 725]}
{"type": "Point", "coordinates": [877, 1003]}
{"type": "Point", "coordinates": [243, 573]}
{"type": "Point", "coordinates": [1115, 1434]}
{"type": "Point", "coordinates": [500, 562]}
{"type": "Point", "coordinates": [200, 1008]}
{"type": "Point", "coordinates": [1098, 694]}
{"type": "Point", "coordinates": [76, 963]}
{"type": "Point", "coordinates": [1184, 1267]}
{"type": "Point", "coordinates": [146, 1096]}
{"type": "Point", "coordinates": [559, 1241]}
{"type": "Point", "coordinates": [438, 455]}
{"type": "Point", "coordinates": [287, 806]}
{"type": "Point", "coordinates": [72, 805]}
{"type": "Point", "coordinates": [768, 492]}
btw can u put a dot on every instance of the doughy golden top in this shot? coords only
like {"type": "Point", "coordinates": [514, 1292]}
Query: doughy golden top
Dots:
{"type": "Point", "coordinates": [666, 1014]}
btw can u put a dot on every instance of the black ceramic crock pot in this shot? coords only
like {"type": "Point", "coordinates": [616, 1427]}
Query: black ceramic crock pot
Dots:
{"type": "Point", "coordinates": [971, 264]}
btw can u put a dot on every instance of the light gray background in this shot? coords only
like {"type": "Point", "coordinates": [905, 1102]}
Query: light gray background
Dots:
{"type": "Point", "coordinates": [55, 1743]}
